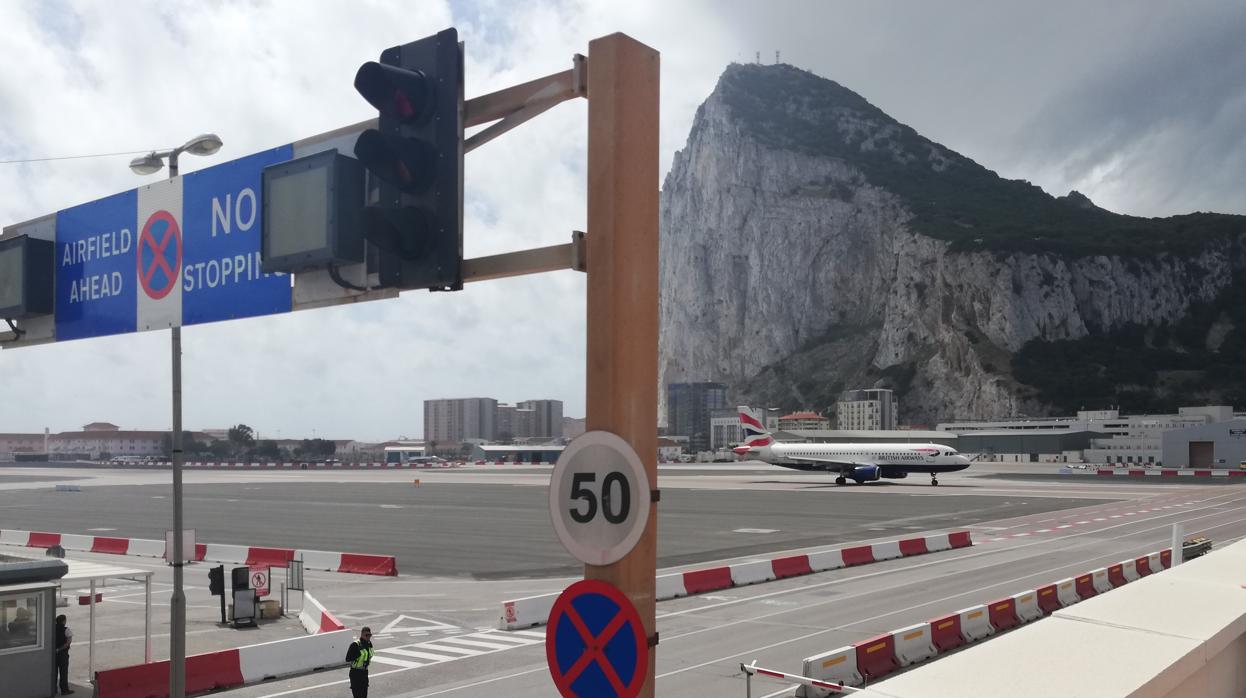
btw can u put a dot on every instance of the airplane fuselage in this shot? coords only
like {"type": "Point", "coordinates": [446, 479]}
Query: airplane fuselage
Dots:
{"type": "Point", "coordinates": [894, 460]}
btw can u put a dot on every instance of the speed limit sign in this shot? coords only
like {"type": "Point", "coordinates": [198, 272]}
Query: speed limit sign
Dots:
{"type": "Point", "coordinates": [599, 498]}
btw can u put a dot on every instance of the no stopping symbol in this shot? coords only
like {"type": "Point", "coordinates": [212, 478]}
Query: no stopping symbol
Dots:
{"type": "Point", "coordinates": [159, 254]}
{"type": "Point", "coordinates": [599, 498]}
{"type": "Point", "coordinates": [595, 643]}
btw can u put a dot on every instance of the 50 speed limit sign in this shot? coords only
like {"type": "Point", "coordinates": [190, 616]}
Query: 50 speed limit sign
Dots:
{"type": "Point", "coordinates": [599, 498]}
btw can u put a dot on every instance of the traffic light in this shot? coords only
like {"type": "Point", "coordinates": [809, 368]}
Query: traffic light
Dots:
{"type": "Point", "coordinates": [415, 158]}
{"type": "Point", "coordinates": [216, 580]}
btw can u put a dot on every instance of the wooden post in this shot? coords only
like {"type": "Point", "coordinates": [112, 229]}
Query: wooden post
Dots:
{"type": "Point", "coordinates": [622, 266]}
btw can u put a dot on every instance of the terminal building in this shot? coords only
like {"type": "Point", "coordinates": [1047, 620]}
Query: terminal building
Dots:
{"type": "Point", "coordinates": [1104, 436]}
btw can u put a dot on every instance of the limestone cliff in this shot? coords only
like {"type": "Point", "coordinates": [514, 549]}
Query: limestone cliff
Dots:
{"type": "Point", "coordinates": [811, 243]}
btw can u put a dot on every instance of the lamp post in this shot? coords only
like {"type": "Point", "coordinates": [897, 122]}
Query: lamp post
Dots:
{"type": "Point", "coordinates": [205, 144]}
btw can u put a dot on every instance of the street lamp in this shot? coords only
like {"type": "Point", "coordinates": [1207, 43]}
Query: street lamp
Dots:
{"type": "Point", "coordinates": [204, 144]}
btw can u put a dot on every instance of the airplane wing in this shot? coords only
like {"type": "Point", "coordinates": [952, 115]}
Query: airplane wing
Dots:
{"type": "Point", "coordinates": [832, 464]}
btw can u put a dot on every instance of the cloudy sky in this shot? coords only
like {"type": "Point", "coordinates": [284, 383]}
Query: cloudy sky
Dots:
{"type": "Point", "coordinates": [1140, 106]}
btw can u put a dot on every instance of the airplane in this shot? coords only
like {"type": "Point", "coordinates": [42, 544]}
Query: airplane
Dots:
{"type": "Point", "coordinates": [863, 462]}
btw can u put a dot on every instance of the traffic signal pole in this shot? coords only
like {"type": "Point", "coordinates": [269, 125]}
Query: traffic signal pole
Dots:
{"type": "Point", "coordinates": [622, 263]}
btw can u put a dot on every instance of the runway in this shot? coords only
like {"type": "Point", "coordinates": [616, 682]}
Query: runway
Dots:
{"type": "Point", "coordinates": [466, 539]}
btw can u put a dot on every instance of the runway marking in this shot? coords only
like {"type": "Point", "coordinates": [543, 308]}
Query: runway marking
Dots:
{"type": "Point", "coordinates": [873, 618]}
{"type": "Point", "coordinates": [756, 530]}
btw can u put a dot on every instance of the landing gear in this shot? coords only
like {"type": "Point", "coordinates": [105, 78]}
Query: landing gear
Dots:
{"type": "Point", "coordinates": [934, 481]}
{"type": "Point", "coordinates": [841, 480]}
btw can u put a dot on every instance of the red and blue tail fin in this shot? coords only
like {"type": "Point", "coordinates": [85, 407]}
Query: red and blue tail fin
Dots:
{"type": "Point", "coordinates": [755, 433]}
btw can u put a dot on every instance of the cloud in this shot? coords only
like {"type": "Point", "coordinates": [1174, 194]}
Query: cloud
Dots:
{"type": "Point", "coordinates": [1055, 92]}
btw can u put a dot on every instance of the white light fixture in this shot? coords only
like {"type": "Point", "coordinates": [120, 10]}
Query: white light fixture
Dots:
{"type": "Point", "coordinates": [147, 164]}
{"type": "Point", "coordinates": [204, 144]}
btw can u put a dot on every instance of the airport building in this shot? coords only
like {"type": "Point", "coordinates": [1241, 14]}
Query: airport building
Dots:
{"type": "Point", "coordinates": [688, 409]}
{"type": "Point", "coordinates": [872, 409]}
{"type": "Point", "coordinates": [1217, 445]}
{"type": "Point", "coordinates": [1093, 436]}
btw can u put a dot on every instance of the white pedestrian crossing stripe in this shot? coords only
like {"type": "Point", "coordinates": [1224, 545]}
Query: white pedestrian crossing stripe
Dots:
{"type": "Point", "coordinates": [448, 649]}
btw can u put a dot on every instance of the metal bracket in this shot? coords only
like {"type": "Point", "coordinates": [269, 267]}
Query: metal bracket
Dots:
{"type": "Point", "coordinates": [655, 496]}
{"type": "Point", "coordinates": [513, 106]}
{"type": "Point", "coordinates": [653, 640]}
{"type": "Point", "coordinates": [17, 331]}
{"type": "Point", "coordinates": [535, 261]}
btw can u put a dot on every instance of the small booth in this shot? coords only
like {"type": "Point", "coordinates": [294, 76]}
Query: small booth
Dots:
{"type": "Point", "coordinates": [27, 625]}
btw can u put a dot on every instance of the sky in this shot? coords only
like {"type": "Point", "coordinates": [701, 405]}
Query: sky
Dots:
{"type": "Point", "coordinates": [1140, 106]}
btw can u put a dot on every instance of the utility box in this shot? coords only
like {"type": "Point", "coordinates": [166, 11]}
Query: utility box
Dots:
{"type": "Point", "coordinates": [270, 609]}
{"type": "Point", "coordinates": [244, 610]}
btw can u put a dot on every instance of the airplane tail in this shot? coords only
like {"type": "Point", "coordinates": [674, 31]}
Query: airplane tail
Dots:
{"type": "Point", "coordinates": [755, 433]}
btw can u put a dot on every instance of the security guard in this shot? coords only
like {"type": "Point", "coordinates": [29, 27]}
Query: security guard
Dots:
{"type": "Point", "coordinates": [64, 638]}
{"type": "Point", "coordinates": [358, 657]}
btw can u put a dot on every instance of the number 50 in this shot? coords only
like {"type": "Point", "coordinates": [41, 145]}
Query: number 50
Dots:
{"type": "Point", "coordinates": [614, 508]}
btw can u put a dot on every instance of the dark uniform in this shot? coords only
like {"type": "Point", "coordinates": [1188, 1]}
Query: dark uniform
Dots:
{"type": "Point", "coordinates": [358, 657]}
{"type": "Point", "coordinates": [64, 636]}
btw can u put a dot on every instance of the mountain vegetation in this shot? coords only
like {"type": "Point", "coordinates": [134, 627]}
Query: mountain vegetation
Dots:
{"type": "Point", "coordinates": [951, 197]}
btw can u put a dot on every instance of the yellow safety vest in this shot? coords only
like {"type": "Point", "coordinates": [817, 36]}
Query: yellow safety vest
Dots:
{"type": "Point", "coordinates": [365, 656]}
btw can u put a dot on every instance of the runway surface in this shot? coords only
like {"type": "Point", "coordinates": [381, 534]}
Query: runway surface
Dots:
{"type": "Point", "coordinates": [475, 537]}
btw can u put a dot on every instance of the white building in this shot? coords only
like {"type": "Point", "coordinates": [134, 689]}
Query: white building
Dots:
{"type": "Point", "coordinates": [1131, 440]}
{"type": "Point", "coordinates": [873, 409]}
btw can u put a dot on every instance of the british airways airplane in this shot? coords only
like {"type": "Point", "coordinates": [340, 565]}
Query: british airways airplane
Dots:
{"type": "Point", "coordinates": [864, 462]}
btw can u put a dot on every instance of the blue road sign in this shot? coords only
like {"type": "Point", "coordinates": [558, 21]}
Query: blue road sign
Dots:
{"type": "Point", "coordinates": [177, 252]}
{"type": "Point", "coordinates": [595, 642]}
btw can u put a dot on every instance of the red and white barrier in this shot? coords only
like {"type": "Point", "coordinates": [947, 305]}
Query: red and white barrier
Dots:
{"type": "Point", "coordinates": [317, 619]}
{"type": "Point", "coordinates": [855, 664]}
{"type": "Point", "coordinates": [253, 556]}
{"type": "Point", "coordinates": [228, 668]}
{"type": "Point", "coordinates": [671, 586]}
{"type": "Point", "coordinates": [1100, 579]}
{"type": "Point", "coordinates": [751, 669]}
{"type": "Point", "coordinates": [1164, 472]}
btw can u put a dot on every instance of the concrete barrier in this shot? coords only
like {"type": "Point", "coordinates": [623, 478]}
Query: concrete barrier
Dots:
{"type": "Point", "coordinates": [913, 644]}
{"type": "Point", "coordinates": [876, 657]}
{"type": "Point", "coordinates": [317, 619]}
{"type": "Point", "coordinates": [228, 668]}
{"type": "Point", "coordinates": [887, 551]}
{"type": "Point", "coordinates": [1026, 605]}
{"type": "Point", "coordinates": [253, 556]}
{"type": "Point", "coordinates": [1085, 584]}
{"type": "Point", "coordinates": [1116, 575]}
{"type": "Point", "coordinates": [746, 573]}
{"type": "Point", "coordinates": [670, 586]}
{"type": "Point", "coordinates": [1129, 569]}
{"type": "Point", "coordinates": [1165, 558]}
{"type": "Point", "coordinates": [1143, 565]}
{"type": "Point", "coordinates": [1066, 591]}
{"type": "Point", "coordinates": [1003, 614]}
{"type": "Point", "coordinates": [975, 624]}
{"type": "Point", "coordinates": [1100, 579]}
{"type": "Point", "coordinates": [837, 666]}
{"type": "Point", "coordinates": [526, 612]}
{"type": "Point", "coordinates": [1047, 599]}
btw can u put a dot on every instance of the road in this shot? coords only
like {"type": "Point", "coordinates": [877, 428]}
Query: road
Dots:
{"type": "Point", "coordinates": [434, 631]}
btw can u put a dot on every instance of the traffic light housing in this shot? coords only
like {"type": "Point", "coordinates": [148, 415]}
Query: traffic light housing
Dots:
{"type": "Point", "coordinates": [415, 159]}
{"type": "Point", "coordinates": [216, 580]}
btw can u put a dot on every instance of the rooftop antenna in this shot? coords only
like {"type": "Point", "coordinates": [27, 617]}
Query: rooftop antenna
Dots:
{"type": "Point", "coordinates": [759, 56]}
{"type": "Point", "coordinates": [776, 57]}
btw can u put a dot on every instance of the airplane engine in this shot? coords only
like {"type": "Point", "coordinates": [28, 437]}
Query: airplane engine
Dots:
{"type": "Point", "coordinates": [866, 473]}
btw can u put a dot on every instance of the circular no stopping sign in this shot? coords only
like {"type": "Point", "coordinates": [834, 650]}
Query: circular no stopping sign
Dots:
{"type": "Point", "coordinates": [595, 643]}
{"type": "Point", "coordinates": [599, 498]}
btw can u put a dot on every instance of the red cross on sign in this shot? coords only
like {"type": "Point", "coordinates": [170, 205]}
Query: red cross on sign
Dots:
{"type": "Point", "coordinates": [595, 643]}
{"type": "Point", "coordinates": [158, 265]}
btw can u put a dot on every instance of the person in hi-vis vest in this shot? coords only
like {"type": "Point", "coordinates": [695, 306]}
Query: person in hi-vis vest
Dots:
{"type": "Point", "coordinates": [358, 657]}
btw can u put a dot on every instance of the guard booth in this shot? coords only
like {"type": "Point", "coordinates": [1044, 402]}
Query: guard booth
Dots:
{"type": "Point", "coordinates": [27, 626]}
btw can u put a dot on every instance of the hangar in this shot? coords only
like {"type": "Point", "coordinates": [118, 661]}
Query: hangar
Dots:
{"type": "Point", "coordinates": [1219, 445]}
{"type": "Point", "coordinates": [1029, 446]}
